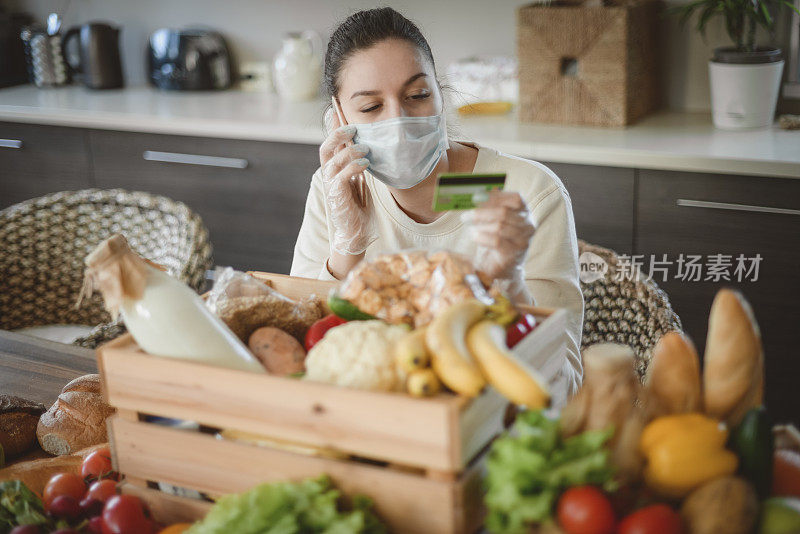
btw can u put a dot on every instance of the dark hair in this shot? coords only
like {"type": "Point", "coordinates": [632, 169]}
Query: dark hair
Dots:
{"type": "Point", "coordinates": [364, 29]}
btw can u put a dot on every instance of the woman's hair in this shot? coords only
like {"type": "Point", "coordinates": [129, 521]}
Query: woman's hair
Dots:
{"type": "Point", "coordinates": [364, 29]}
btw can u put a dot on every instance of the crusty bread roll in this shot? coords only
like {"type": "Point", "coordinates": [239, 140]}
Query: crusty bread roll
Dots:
{"type": "Point", "coordinates": [673, 378]}
{"type": "Point", "coordinates": [733, 376]}
{"type": "Point", "coordinates": [77, 419]}
{"type": "Point", "coordinates": [18, 419]}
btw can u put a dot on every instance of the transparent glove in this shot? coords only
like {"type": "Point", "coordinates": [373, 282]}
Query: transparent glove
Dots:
{"type": "Point", "coordinates": [353, 224]}
{"type": "Point", "coordinates": [502, 228]}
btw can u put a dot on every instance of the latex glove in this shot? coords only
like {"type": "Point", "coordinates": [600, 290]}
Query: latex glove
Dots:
{"type": "Point", "coordinates": [502, 227]}
{"type": "Point", "coordinates": [353, 224]}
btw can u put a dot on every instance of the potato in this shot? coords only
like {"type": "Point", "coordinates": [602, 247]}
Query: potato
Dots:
{"type": "Point", "coordinates": [278, 351]}
{"type": "Point", "coordinates": [726, 505]}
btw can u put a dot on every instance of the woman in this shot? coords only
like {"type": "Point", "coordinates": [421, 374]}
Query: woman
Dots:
{"type": "Point", "coordinates": [380, 69]}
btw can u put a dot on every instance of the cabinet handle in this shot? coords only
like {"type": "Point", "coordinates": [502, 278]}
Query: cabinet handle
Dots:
{"type": "Point", "coordinates": [735, 207]}
{"type": "Point", "coordinates": [195, 159]}
{"type": "Point", "coordinates": [10, 143]}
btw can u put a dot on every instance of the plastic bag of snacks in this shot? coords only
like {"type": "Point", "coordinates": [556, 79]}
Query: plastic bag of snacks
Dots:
{"type": "Point", "coordinates": [246, 304]}
{"type": "Point", "coordinates": [412, 286]}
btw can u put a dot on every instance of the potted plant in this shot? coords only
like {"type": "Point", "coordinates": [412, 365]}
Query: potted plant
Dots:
{"type": "Point", "coordinates": [745, 78]}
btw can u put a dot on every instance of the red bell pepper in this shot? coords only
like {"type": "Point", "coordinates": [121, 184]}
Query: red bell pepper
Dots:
{"type": "Point", "coordinates": [318, 329]}
{"type": "Point", "coordinates": [521, 328]}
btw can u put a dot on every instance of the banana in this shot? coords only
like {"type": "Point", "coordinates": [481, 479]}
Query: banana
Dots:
{"type": "Point", "coordinates": [446, 340]}
{"type": "Point", "coordinates": [502, 311]}
{"type": "Point", "coordinates": [423, 383]}
{"type": "Point", "coordinates": [508, 374]}
{"type": "Point", "coordinates": [410, 353]}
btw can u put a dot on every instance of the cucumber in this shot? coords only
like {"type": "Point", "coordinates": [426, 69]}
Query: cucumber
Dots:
{"type": "Point", "coordinates": [347, 310]}
{"type": "Point", "coordinates": [754, 443]}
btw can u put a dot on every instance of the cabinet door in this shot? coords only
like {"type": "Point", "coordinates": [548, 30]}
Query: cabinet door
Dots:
{"type": "Point", "coordinates": [250, 194]}
{"type": "Point", "coordinates": [36, 160]}
{"type": "Point", "coordinates": [706, 214]}
{"type": "Point", "coordinates": [602, 202]}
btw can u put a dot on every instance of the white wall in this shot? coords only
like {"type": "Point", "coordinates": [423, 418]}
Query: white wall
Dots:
{"type": "Point", "coordinates": [454, 28]}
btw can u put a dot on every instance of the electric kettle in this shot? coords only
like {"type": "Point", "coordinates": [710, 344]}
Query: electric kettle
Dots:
{"type": "Point", "coordinates": [100, 66]}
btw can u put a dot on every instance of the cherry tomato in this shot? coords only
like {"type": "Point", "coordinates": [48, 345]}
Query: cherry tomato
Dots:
{"type": "Point", "coordinates": [655, 519]}
{"type": "Point", "coordinates": [65, 507]}
{"type": "Point", "coordinates": [91, 507]}
{"type": "Point", "coordinates": [786, 473]}
{"type": "Point", "coordinates": [102, 490]}
{"type": "Point", "coordinates": [95, 525]}
{"type": "Point", "coordinates": [97, 464]}
{"type": "Point", "coordinates": [124, 514]}
{"type": "Point", "coordinates": [585, 510]}
{"type": "Point", "coordinates": [25, 529]}
{"type": "Point", "coordinates": [64, 484]}
{"type": "Point", "coordinates": [318, 329]}
{"type": "Point", "coordinates": [521, 328]}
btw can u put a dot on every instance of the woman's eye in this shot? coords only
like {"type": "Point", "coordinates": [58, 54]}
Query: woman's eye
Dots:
{"type": "Point", "coordinates": [420, 96]}
{"type": "Point", "coordinates": [370, 109]}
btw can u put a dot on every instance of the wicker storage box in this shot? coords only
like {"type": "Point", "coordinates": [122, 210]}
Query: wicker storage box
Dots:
{"type": "Point", "coordinates": [587, 65]}
{"type": "Point", "coordinates": [420, 460]}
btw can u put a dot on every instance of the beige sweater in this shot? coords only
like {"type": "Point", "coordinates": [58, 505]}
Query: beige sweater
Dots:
{"type": "Point", "coordinates": [551, 268]}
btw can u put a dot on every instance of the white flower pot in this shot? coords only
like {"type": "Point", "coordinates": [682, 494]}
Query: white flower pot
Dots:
{"type": "Point", "coordinates": [744, 95]}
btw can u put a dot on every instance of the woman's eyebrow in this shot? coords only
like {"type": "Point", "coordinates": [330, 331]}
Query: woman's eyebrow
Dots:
{"type": "Point", "coordinates": [373, 92]}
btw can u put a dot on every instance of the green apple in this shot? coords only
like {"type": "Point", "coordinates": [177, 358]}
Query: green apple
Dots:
{"type": "Point", "coordinates": [780, 515]}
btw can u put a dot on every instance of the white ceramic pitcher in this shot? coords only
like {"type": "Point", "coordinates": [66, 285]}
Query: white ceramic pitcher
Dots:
{"type": "Point", "coordinates": [297, 67]}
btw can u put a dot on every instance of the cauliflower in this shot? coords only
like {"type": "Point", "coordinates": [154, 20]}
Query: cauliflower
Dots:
{"type": "Point", "coordinates": [358, 354]}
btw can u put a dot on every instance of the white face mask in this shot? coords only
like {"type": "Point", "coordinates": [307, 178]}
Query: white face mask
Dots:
{"type": "Point", "coordinates": [403, 151]}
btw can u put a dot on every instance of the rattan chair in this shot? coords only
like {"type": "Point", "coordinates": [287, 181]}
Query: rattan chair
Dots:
{"type": "Point", "coordinates": [43, 243]}
{"type": "Point", "coordinates": [629, 311]}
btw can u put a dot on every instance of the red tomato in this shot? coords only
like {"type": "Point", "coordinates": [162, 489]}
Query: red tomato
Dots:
{"type": "Point", "coordinates": [655, 519]}
{"type": "Point", "coordinates": [102, 490]}
{"type": "Point", "coordinates": [124, 514]}
{"type": "Point", "coordinates": [585, 510]}
{"type": "Point", "coordinates": [521, 328]}
{"type": "Point", "coordinates": [319, 328]}
{"type": "Point", "coordinates": [97, 464]}
{"type": "Point", "coordinates": [68, 484]}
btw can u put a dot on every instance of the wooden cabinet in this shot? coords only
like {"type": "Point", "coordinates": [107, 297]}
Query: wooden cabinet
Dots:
{"type": "Point", "coordinates": [36, 160]}
{"type": "Point", "coordinates": [602, 203]}
{"type": "Point", "coordinates": [710, 214]}
{"type": "Point", "coordinates": [250, 194]}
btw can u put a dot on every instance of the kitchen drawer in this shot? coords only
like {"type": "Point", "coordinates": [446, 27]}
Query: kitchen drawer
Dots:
{"type": "Point", "coordinates": [706, 214]}
{"type": "Point", "coordinates": [602, 202]}
{"type": "Point", "coordinates": [250, 194]}
{"type": "Point", "coordinates": [36, 160]}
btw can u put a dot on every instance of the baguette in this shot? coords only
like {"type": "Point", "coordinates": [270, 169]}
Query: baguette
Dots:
{"type": "Point", "coordinates": [673, 383]}
{"type": "Point", "coordinates": [36, 473]}
{"type": "Point", "coordinates": [733, 377]}
{"type": "Point", "coordinates": [77, 419]}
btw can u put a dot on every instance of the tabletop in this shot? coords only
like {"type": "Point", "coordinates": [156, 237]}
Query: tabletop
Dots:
{"type": "Point", "coordinates": [36, 369]}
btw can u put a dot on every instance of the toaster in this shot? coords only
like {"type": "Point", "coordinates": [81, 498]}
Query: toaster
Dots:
{"type": "Point", "coordinates": [189, 60]}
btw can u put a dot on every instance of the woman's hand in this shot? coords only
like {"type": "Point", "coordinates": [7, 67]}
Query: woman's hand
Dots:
{"type": "Point", "coordinates": [352, 223]}
{"type": "Point", "coordinates": [503, 228]}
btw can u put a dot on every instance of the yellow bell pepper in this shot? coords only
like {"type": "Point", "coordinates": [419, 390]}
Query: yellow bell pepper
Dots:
{"type": "Point", "coordinates": [683, 452]}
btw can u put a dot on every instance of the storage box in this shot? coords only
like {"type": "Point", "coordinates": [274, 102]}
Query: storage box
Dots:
{"type": "Point", "coordinates": [587, 65]}
{"type": "Point", "coordinates": [420, 460]}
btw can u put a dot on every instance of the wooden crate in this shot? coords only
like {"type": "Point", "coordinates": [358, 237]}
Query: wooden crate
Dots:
{"type": "Point", "coordinates": [587, 63]}
{"type": "Point", "coordinates": [420, 460]}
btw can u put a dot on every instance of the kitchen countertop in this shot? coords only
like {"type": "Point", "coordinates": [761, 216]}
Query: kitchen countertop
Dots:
{"type": "Point", "coordinates": [665, 140]}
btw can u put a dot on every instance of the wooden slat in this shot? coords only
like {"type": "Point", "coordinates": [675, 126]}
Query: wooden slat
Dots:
{"type": "Point", "coordinates": [295, 287]}
{"type": "Point", "coordinates": [168, 509]}
{"type": "Point", "coordinates": [386, 426]}
{"type": "Point", "coordinates": [407, 502]}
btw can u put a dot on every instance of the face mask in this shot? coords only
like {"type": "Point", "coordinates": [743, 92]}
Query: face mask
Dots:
{"type": "Point", "coordinates": [403, 151]}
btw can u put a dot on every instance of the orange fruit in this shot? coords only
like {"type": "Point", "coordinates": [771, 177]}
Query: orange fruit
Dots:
{"type": "Point", "coordinates": [786, 473]}
{"type": "Point", "coordinates": [177, 528]}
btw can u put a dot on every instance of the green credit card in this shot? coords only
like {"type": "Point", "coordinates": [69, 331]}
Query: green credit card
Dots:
{"type": "Point", "coordinates": [464, 191]}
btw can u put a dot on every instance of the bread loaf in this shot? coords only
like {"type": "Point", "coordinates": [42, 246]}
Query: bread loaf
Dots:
{"type": "Point", "coordinates": [673, 378]}
{"type": "Point", "coordinates": [18, 419]}
{"type": "Point", "coordinates": [36, 473]}
{"type": "Point", "coordinates": [77, 419]}
{"type": "Point", "coordinates": [733, 376]}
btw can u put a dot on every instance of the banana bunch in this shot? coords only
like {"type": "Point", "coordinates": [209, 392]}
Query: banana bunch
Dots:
{"type": "Point", "coordinates": [465, 348]}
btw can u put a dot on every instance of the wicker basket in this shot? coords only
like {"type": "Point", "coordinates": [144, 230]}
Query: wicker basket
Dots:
{"type": "Point", "coordinates": [587, 65]}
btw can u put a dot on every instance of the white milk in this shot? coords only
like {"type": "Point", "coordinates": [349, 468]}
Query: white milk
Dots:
{"type": "Point", "coordinates": [171, 320]}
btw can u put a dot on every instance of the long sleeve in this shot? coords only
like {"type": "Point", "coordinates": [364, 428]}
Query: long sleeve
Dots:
{"type": "Point", "coordinates": [551, 271]}
{"type": "Point", "coordinates": [312, 249]}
